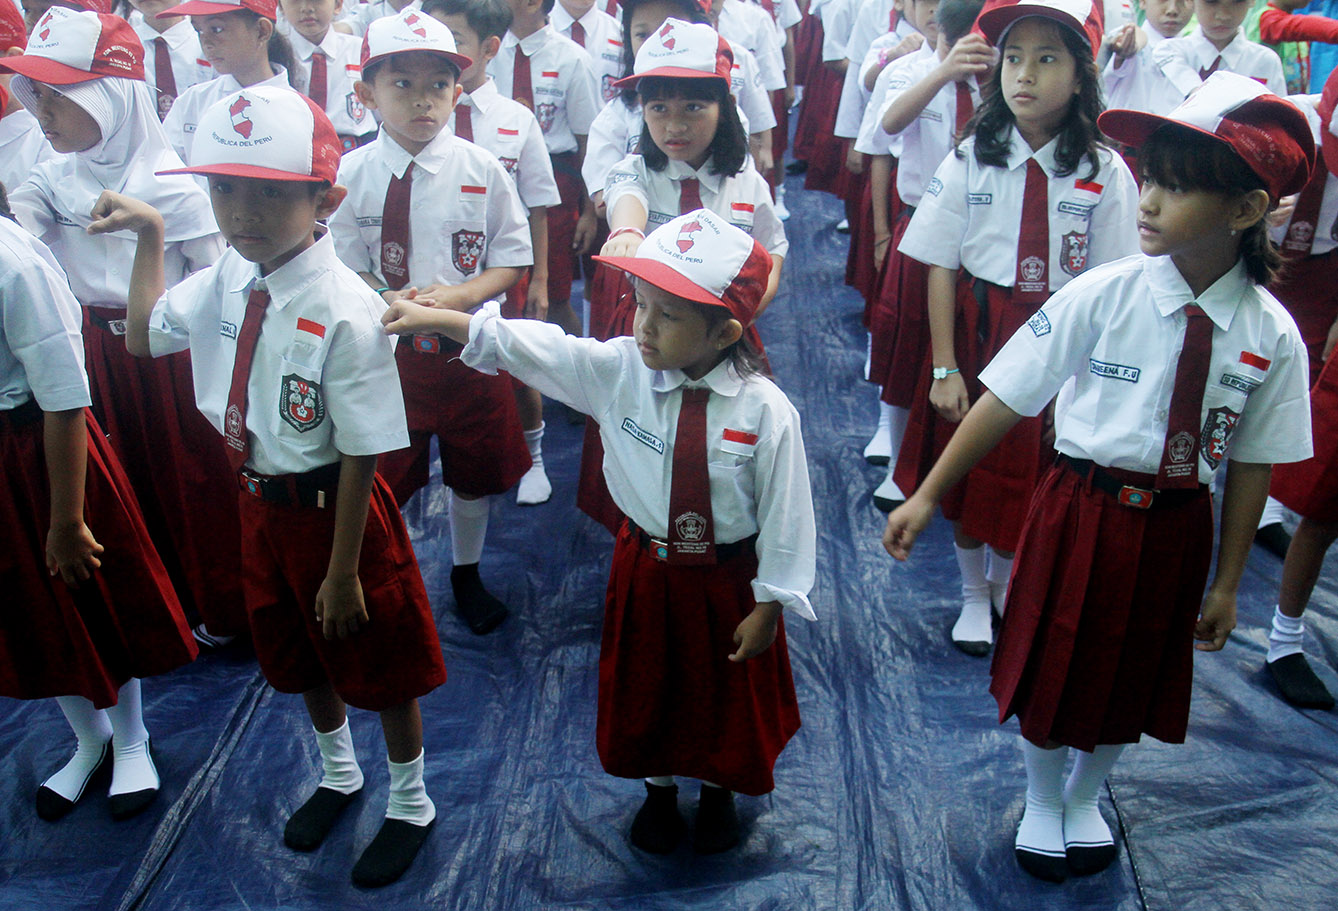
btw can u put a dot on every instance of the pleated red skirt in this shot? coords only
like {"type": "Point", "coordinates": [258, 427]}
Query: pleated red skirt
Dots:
{"type": "Point", "coordinates": [861, 273]}
{"type": "Point", "coordinates": [813, 139]}
{"type": "Point", "coordinates": [1308, 288]}
{"type": "Point", "coordinates": [670, 700]}
{"type": "Point", "coordinates": [124, 622]}
{"type": "Point", "coordinates": [1311, 487]}
{"type": "Point", "coordinates": [901, 323]}
{"type": "Point", "coordinates": [1097, 639]}
{"type": "Point", "coordinates": [780, 133]}
{"type": "Point", "coordinates": [807, 48]}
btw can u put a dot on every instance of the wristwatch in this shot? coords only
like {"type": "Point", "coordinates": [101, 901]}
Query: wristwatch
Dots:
{"type": "Point", "coordinates": [942, 373]}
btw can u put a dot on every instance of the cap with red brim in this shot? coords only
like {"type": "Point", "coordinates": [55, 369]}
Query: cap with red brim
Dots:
{"type": "Point", "coordinates": [1079, 15]}
{"type": "Point", "coordinates": [266, 9]}
{"type": "Point", "coordinates": [68, 46]}
{"type": "Point", "coordinates": [682, 50]}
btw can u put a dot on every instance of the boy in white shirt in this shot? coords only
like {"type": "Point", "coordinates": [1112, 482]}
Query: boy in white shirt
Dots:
{"type": "Point", "coordinates": [598, 33]}
{"type": "Point", "coordinates": [1219, 43]}
{"type": "Point", "coordinates": [173, 61]}
{"type": "Point", "coordinates": [330, 60]}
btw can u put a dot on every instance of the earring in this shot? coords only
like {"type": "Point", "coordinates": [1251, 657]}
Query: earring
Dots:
{"type": "Point", "coordinates": [1234, 232]}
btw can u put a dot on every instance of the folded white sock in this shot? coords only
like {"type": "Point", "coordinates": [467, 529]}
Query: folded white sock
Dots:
{"type": "Point", "coordinates": [469, 526]}
{"type": "Point", "coordinates": [408, 795]}
{"type": "Point", "coordinates": [1287, 636]}
{"type": "Point", "coordinates": [132, 765]}
{"type": "Point", "coordinates": [339, 761]}
{"type": "Point", "coordinates": [998, 573]}
{"type": "Point", "coordinates": [1041, 830]}
{"type": "Point", "coordinates": [973, 624]}
{"type": "Point", "coordinates": [92, 732]}
{"type": "Point", "coordinates": [880, 445]}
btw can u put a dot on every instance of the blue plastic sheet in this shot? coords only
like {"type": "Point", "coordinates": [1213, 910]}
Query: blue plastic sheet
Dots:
{"type": "Point", "coordinates": [900, 791]}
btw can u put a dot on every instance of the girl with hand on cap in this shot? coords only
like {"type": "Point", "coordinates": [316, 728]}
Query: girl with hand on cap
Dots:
{"type": "Point", "coordinates": [1170, 363]}
{"type": "Point", "coordinates": [705, 459]}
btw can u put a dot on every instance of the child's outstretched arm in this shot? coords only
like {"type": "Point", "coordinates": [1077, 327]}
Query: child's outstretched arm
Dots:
{"type": "Point", "coordinates": [984, 426]}
{"type": "Point", "coordinates": [116, 212]}
{"type": "Point", "coordinates": [970, 56]}
{"type": "Point", "coordinates": [404, 317]}
{"type": "Point", "coordinates": [71, 549]}
{"type": "Point", "coordinates": [1243, 499]}
{"type": "Point", "coordinates": [627, 227]}
{"type": "Point", "coordinates": [339, 603]}
{"type": "Point", "coordinates": [948, 395]}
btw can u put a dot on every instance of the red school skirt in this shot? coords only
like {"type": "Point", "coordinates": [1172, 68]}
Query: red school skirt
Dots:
{"type": "Point", "coordinates": [861, 274]}
{"type": "Point", "coordinates": [124, 622]}
{"type": "Point", "coordinates": [1308, 288]}
{"type": "Point", "coordinates": [824, 152]}
{"type": "Point", "coordinates": [670, 700]}
{"type": "Point", "coordinates": [562, 220]}
{"type": "Point", "coordinates": [900, 323]}
{"type": "Point", "coordinates": [897, 215]}
{"type": "Point", "coordinates": [177, 465]}
{"type": "Point", "coordinates": [991, 501]}
{"type": "Point", "coordinates": [807, 48]}
{"type": "Point", "coordinates": [1311, 487]}
{"type": "Point", "coordinates": [1097, 640]}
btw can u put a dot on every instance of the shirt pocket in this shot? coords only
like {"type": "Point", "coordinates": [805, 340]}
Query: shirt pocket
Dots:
{"type": "Point", "coordinates": [300, 406]}
{"type": "Point", "coordinates": [463, 240]}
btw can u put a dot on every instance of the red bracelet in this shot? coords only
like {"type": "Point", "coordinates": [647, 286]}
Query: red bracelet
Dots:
{"type": "Point", "coordinates": [627, 229]}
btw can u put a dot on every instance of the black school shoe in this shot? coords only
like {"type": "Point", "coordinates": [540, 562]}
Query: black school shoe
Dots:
{"type": "Point", "coordinates": [309, 825]}
{"type": "Point", "coordinates": [124, 806]}
{"type": "Point", "coordinates": [796, 167]}
{"type": "Point", "coordinates": [1049, 867]}
{"type": "Point", "coordinates": [52, 806]}
{"type": "Point", "coordinates": [1298, 682]}
{"type": "Point", "coordinates": [717, 827]}
{"type": "Point", "coordinates": [658, 827]}
{"type": "Point", "coordinates": [481, 612]}
{"type": "Point", "coordinates": [390, 854]}
{"type": "Point", "coordinates": [1085, 860]}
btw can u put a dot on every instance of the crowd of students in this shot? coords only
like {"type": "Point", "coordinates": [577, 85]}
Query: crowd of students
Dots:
{"type": "Point", "coordinates": [257, 258]}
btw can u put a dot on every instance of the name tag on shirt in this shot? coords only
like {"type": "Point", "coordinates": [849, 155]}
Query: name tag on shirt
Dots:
{"type": "Point", "coordinates": [978, 199]}
{"type": "Point", "coordinates": [1115, 371]}
{"type": "Point", "coordinates": [643, 436]}
{"type": "Point", "coordinates": [227, 329]}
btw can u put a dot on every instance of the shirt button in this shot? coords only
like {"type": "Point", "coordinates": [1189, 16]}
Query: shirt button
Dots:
{"type": "Point", "coordinates": [1163, 415]}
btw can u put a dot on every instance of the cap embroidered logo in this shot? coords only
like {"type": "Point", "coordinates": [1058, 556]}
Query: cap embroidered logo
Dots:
{"type": "Point", "coordinates": [668, 42]}
{"type": "Point", "coordinates": [240, 122]}
{"type": "Point", "coordinates": [685, 238]}
{"type": "Point", "coordinates": [412, 21]}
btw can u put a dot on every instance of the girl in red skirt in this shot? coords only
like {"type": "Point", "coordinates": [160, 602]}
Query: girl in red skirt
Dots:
{"type": "Point", "coordinates": [1029, 200]}
{"type": "Point", "coordinates": [1166, 365]}
{"type": "Point", "coordinates": [111, 617]}
{"type": "Point", "coordinates": [705, 459]}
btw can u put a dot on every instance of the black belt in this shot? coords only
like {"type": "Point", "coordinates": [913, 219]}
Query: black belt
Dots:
{"type": "Point", "coordinates": [114, 326]}
{"type": "Point", "coordinates": [349, 143]}
{"type": "Point", "coordinates": [315, 488]}
{"type": "Point", "coordinates": [20, 415]}
{"type": "Point", "coordinates": [980, 289]}
{"type": "Point", "coordinates": [1130, 488]}
{"type": "Point", "coordinates": [660, 549]}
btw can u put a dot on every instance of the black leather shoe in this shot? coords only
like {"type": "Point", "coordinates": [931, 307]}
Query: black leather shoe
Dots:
{"type": "Point", "coordinates": [1298, 682]}
{"type": "Point", "coordinates": [717, 827]}
{"type": "Point", "coordinates": [658, 827]}
{"type": "Point", "coordinates": [52, 806]}
{"type": "Point", "coordinates": [390, 854]}
{"type": "Point", "coordinates": [309, 825]}
{"type": "Point", "coordinates": [476, 606]}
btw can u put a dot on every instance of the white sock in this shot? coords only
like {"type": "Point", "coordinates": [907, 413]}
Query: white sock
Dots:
{"type": "Point", "coordinates": [339, 760]}
{"type": "Point", "coordinates": [868, 354]}
{"type": "Point", "coordinates": [408, 795]}
{"type": "Point", "coordinates": [132, 766]}
{"type": "Point", "coordinates": [1287, 636]}
{"type": "Point", "coordinates": [534, 488]}
{"type": "Point", "coordinates": [92, 731]}
{"type": "Point", "coordinates": [897, 420]}
{"type": "Point", "coordinates": [1042, 828]}
{"type": "Point", "coordinates": [998, 572]}
{"type": "Point", "coordinates": [661, 781]}
{"type": "Point", "coordinates": [1083, 825]}
{"type": "Point", "coordinates": [888, 490]}
{"type": "Point", "coordinates": [469, 526]}
{"type": "Point", "coordinates": [1272, 514]}
{"type": "Point", "coordinates": [973, 625]}
{"type": "Point", "coordinates": [881, 442]}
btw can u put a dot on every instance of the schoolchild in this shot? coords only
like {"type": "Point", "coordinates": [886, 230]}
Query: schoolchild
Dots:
{"type": "Point", "coordinates": [814, 142]}
{"type": "Point", "coordinates": [1171, 363]}
{"type": "Point", "coordinates": [22, 144]}
{"type": "Point", "coordinates": [928, 99]}
{"type": "Point", "coordinates": [239, 41]}
{"type": "Point", "coordinates": [745, 24]}
{"type": "Point", "coordinates": [1029, 201]}
{"type": "Point", "coordinates": [173, 60]}
{"type": "Point", "coordinates": [431, 215]}
{"type": "Point", "coordinates": [34, 10]}
{"type": "Point", "coordinates": [303, 389]}
{"type": "Point", "coordinates": [96, 608]}
{"type": "Point", "coordinates": [598, 33]}
{"type": "Point", "coordinates": [84, 82]}
{"type": "Point", "coordinates": [705, 458]}
{"type": "Point", "coordinates": [360, 15]}
{"type": "Point", "coordinates": [508, 130]}
{"type": "Point", "coordinates": [1218, 44]}
{"type": "Point", "coordinates": [1132, 80]}
{"type": "Point", "coordinates": [329, 62]}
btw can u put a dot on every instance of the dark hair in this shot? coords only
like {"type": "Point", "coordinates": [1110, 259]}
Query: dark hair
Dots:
{"type": "Point", "coordinates": [370, 70]}
{"type": "Point", "coordinates": [729, 146]}
{"type": "Point", "coordinates": [5, 210]}
{"type": "Point", "coordinates": [1079, 137]}
{"type": "Point", "coordinates": [279, 51]}
{"type": "Point", "coordinates": [688, 11]}
{"type": "Point", "coordinates": [955, 17]}
{"type": "Point", "coordinates": [488, 18]}
{"type": "Point", "coordinates": [548, 6]}
{"type": "Point", "coordinates": [1176, 156]}
{"type": "Point", "coordinates": [743, 354]}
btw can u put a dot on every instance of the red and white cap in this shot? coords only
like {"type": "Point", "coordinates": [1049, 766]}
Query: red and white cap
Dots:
{"type": "Point", "coordinates": [13, 33]}
{"type": "Point", "coordinates": [69, 46]}
{"type": "Point", "coordinates": [97, 6]}
{"type": "Point", "coordinates": [1270, 133]}
{"type": "Point", "coordinates": [265, 9]}
{"type": "Point", "coordinates": [682, 50]}
{"type": "Point", "coordinates": [1082, 16]}
{"type": "Point", "coordinates": [410, 30]}
{"type": "Point", "coordinates": [703, 258]}
{"type": "Point", "coordinates": [265, 132]}
{"type": "Point", "coordinates": [1328, 143]}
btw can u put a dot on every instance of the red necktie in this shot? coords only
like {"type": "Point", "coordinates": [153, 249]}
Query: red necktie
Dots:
{"type": "Point", "coordinates": [689, 195]}
{"type": "Point", "coordinates": [1204, 74]}
{"type": "Point", "coordinates": [234, 419]}
{"type": "Point", "coordinates": [1032, 284]}
{"type": "Point", "coordinates": [395, 231]}
{"type": "Point", "coordinates": [611, 7]}
{"type": "Point", "coordinates": [464, 121]}
{"type": "Point", "coordinates": [522, 87]}
{"type": "Point", "coordinates": [691, 529]}
{"type": "Point", "coordinates": [316, 89]}
{"type": "Point", "coordinates": [964, 107]}
{"type": "Point", "coordinates": [578, 33]}
{"type": "Point", "coordinates": [1179, 458]}
{"type": "Point", "coordinates": [1301, 231]}
{"type": "Point", "coordinates": [163, 75]}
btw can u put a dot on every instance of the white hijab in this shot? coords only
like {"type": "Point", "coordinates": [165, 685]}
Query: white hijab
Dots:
{"type": "Point", "coordinates": [133, 146]}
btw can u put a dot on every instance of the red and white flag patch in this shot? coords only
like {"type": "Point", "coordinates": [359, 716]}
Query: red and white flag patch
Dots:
{"type": "Point", "coordinates": [740, 436]}
{"type": "Point", "coordinates": [468, 188]}
{"type": "Point", "coordinates": [1091, 186]}
{"type": "Point", "coordinates": [311, 326]}
{"type": "Point", "coordinates": [1258, 362]}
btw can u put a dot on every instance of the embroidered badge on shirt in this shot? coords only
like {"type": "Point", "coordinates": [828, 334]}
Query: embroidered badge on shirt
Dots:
{"type": "Point", "coordinates": [1216, 434]}
{"type": "Point", "coordinates": [355, 108]}
{"type": "Point", "coordinates": [1257, 361]}
{"type": "Point", "coordinates": [1073, 253]}
{"type": "Point", "coordinates": [300, 403]}
{"type": "Point", "coordinates": [691, 528]}
{"type": "Point", "coordinates": [643, 436]}
{"type": "Point", "coordinates": [1240, 383]}
{"type": "Point", "coordinates": [467, 250]}
{"type": "Point", "coordinates": [935, 187]}
{"type": "Point", "coordinates": [546, 113]}
{"type": "Point", "coordinates": [979, 199]}
{"type": "Point", "coordinates": [1039, 324]}
{"type": "Point", "coordinates": [227, 329]}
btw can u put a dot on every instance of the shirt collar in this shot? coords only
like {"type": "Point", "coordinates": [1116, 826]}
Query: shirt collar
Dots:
{"type": "Point", "coordinates": [532, 43]}
{"type": "Point", "coordinates": [175, 36]}
{"type": "Point", "coordinates": [1207, 52]}
{"type": "Point", "coordinates": [1170, 291]}
{"type": "Point", "coordinates": [679, 170]}
{"type": "Point", "coordinates": [295, 276]}
{"type": "Point", "coordinates": [305, 48]}
{"type": "Point", "coordinates": [561, 20]}
{"type": "Point", "coordinates": [230, 83]}
{"type": "Point", "coordinates": [431, 159]}
{"type": "Point", "coordinates": [1019, 152]}
{"type": "Point", "coordinates": [723, 379]}
{"type": "Point", "coordinates": [482, 97]}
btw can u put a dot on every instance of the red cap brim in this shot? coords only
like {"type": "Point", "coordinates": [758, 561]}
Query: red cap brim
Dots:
{"type": "Point", "coordinates": [460, 60]}
{"type": "Point", "coordinates": [1133, 128]}
{"type": "Point", "coordinates": [995, 22]}
{"type": "Point", "coordinates": [242, 170]}
{"type": "Point", "coordinates": [663, 276]}
{"type": "Point", "coordinates": [673, 72]}
{"type": "Point", "coordinates": [47, 71]}
{"type": "Point", "coordinates": [204, 8]}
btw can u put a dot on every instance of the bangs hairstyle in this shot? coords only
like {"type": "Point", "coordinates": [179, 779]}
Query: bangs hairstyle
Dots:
{"type": "Point", "coordinates": [1079, 138]}
{"type": "Point", "coordinates": [955, 18]}
{"type": "Point", "coordinates": [370, 71]}
{"type": "Point", "coordinates": [688, 11]}
{"type": "Point", "coordinates": [1176, 156]}
{"type": "Point", "coordinates": [743, 354]}
{"type": "Point", "coordinates": [487, 18]}
{"type": "Point", "coordinates": [729, 146]}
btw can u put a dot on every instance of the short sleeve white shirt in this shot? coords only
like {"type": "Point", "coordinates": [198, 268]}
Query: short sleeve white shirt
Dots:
{"type": "Point", "coordinates": [1138, 84]}
{"type": "Point", "coordinates": [1182, 59]}
{"type": "Point", "coordinates": [854, 96]}
{"type": "Point", "coordinates": [508, 130]}
{"type": "Point", "coordinates": [603, 42]}
{"type": "Point", "coordinates": [343, 67]}
{"type": "Point", "coordinates": [838, 16]}
{"type": "Point", "coordinates": [745, 84]}
{"type": "Point", "coordinates": [562, 78]}
{"type": "Point", "coordinates": [615, 134]}
{"type": "Point", "coordinates": [22, 147]}
{"type": "Point", "coordinates": [183, 48]}
{"type": "Point", "coordinates": [361, 15]}
{"type": "Point", "coordinates": [750, 25]}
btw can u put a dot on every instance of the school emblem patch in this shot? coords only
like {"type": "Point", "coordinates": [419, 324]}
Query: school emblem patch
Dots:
{"type": "Point", "coordinates": [240, 122]}
{"type": "Point", "coordinates": [606, 87]}
{"type": "Point", "coordinates": [392, 260]}
{"type": "Point", "coordinates": [1216, 435]}
{"type": "Point", "coordinates": [1033, 271]}
{"type": "Point", "coordinates": [165, 104]}
{"type": "Point", "coordinates": [546, 113]}
{"type": "Point", "coordinates": [690, 526]}
{"type": "Point", "coordinates": [466, 250]}
{"type": "Point", "coordinates": [356, 109]}
{"type": "Point", "coordinates": [1073, 253]}
{"type": "Point", "coordinates": [300, 403]}
{"type": "Point", "coordinates": [1299, 236]}
{"type": "Point", "coordinates": [511, 164]}
{"type": "Point", "coordinates": [1181, 447]}
{"type": "Point", "coordinates": [233, 432]}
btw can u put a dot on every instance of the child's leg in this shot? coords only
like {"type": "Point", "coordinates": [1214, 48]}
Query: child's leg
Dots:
{"type": "Point", "coordinates": [971, 633]}
{"type": "Point", "coordinates": [1088, 844]}
{"type": "Point", "coordinates": [410, 812]}
{"type": "Point", "coordinates": [1287, 663]}
{"type": "Point", "coordinates": [889, 496]}
{"type": "Point", "coordinates": [469, 526]}
{"type": "Point", "coordinates": [658, 826]}
{"type": "Point", "coordinates": [134, 778]}
{"type": "Point", "coordinates": [717, 826]}
{"type": "Point", "coordinates": [1039, 846]}
{"type": "Point", "coordinates": [998, 571]}
{"type": "Point", "coordinates": [342, 778]}
{"type": "Point", "coordinates": [93, 733]}
{"type": "Point", "coordinates": [535, 488]}
{"type": "Point", "coordinates": [1271, 534]}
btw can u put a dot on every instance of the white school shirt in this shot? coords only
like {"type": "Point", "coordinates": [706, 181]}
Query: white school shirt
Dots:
{"type": "Point", "coordinates": [872, 139]}
{"type": "Point", "coordinates": [1109, 344]}
{"type": "Point", "coordinates": [22, 146]}
{"type": "Point", "coordinates": [562, 77]}
{"type": "Point", "coordinates": [1181, 59]}
{"type": "Point", "coordinates": [837, 18]}
{"type": "Point", "coordinates": [343, 67]}
{"type": "Point", "coordinates": [745, 84]}
{"type": "Point", "coordinates": [41, 345]}
{"type": "Point", "coordinates": [751, 26]}
{"type": "Point", "coordinates": [1324, 232]}
{"type": "Point", "coordinates": [361, 15]}
{"type": "Point", "coordinates": [743, 198]}
{"type": "Point", "coordinates": [785, 14]}
{"type": "Point", "coordinates": [464, 213]}
{"type": "Point", "coordinates": [323, 380]}
{"type": "Point", "coordinates": [854, 96]}
{"type": "Point", "coordinates": [191, 104]}
{"type": "Point", "coordinates": [507, 129]}
{"type": "Point", "coordinates": [755, 452]}
{"type": "Point", "coordinates": [1138, 84]}
{"type": "Point", "coordinates": [603, 42]}
{"type": "Point", "coordinates": [970, 213]}
{"type": "Point", "coordinates": [183, 48]}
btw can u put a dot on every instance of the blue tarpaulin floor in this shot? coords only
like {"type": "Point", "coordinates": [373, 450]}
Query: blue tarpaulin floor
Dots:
{"type": "Point", "coordinates": [900, 791]}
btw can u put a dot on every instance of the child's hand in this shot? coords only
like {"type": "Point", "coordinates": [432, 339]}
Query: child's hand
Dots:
{"type": "Point", "coordinates": [1282, 212]}
{"type": "Point", "coordinates": [757, 631]}
{"type": "Point", "coordinates": [117, 212]}
{"type": "Point", "coordinates": [949, 397]}
{"type": "Point", "coordinates": [445, 297]}
{"type": "Point", "coordinates": [904, 526]}
{"type": "Point", "coordinates": [970, 56]}
{"type": "Point", "coordinates": [339, 606]}
{"type": "Point", "coordinates": [1127, 42]}
{"type": "Point", "coordinates": [880, 247]}
{"type": "Point", "coordinates": [72, 551]}
{"type": "Point", "coordinates": [854, 160]}
{"type": "Point", "coordinates": [536, 300]}
{"type": "Point", "coordinates": [405, 317]}
{"type": "Point", "coordinates": [586, 229]}
{"type": "Point", "coordinates": [625, 244]}
{"type": "Point", "coordinates": [1217, 618]}
{"type": "Point", "coordinates": [909, 45]}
